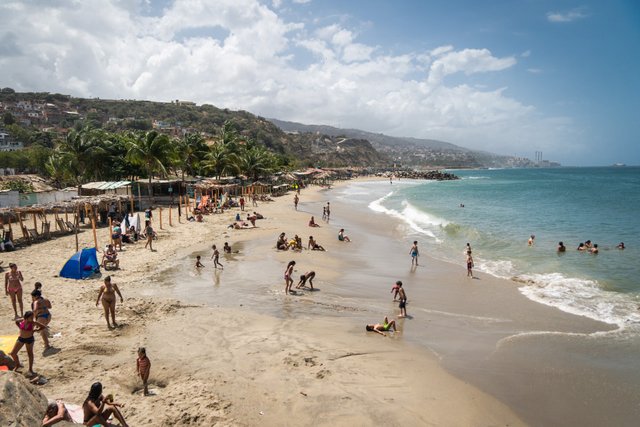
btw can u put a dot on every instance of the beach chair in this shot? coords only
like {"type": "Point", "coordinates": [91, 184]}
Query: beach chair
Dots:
{"type": "Point", "coordinates": [71, 226]}
{"type": "Point", "coordinates": [33, 235]}
{"type": "Point", "coordinates": [26, 234]}
{"type": "Point", "coordinates": [62, 226]}
{"type": "Point", "coordinates": [45, 233]}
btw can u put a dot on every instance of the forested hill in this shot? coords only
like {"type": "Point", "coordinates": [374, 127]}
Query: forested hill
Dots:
{"type": "Point", "coordinates": [25, 114]}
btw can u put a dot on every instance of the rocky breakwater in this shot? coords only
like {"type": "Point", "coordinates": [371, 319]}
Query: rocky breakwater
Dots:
{"type": "Point", "coordinates": [414, 174]}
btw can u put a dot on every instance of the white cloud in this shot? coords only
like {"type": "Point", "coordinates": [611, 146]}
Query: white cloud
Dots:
{"type": "Point", "coordinates": [534, 70]}
{"type": "Point", "coordinates": [107, 49]}
{"type": "Point", "coordinates": [569, 16]}
{"type": "Point", "coordinates": [526, 54]}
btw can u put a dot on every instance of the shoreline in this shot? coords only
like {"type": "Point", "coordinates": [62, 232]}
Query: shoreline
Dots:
{"type": "Point", "coordinates": [246, 367]}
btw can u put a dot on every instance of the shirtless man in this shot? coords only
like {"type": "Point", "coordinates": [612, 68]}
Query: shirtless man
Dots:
{"type": "Point", "coordinates": [215, 256]}
{"type": "Point", "coordinates": [414, 253]}
{"type": "Point", "coordinates": [403, 300]}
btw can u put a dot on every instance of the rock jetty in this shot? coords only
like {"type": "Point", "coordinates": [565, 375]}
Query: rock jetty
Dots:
{"type": "Point", "coordinates": [414, 174]}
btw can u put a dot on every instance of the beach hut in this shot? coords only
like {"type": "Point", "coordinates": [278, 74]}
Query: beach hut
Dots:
{"type": "Point", "coordinates": [81, 265]}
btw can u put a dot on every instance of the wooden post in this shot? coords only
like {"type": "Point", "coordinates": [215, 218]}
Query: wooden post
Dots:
{"type": "Point", "coordinates": [26, 236]}
{"type": "Point", "coordinates": [77, 222]}
{"type": "Point", "coordinates": [180, 207]}
{"type": "Point", "coordinates": [160, 214]}
{"type": "Point", "coordinates": [93, 227]}
{"type": "Point", "coordinates": [131, 197]}
{"type": "Point", "coordinates": [35, 224]}
{"type": "Point", "coordinates": [170, 209]}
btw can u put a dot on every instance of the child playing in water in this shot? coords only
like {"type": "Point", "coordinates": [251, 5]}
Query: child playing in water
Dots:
{"type": "Point", "coordinates": [215, 257]}
{"type": "Point", "coordinates": [396, 289]}
{"type": "Point", "coordinates": [143, 368]}
{"type": "Point", "coordinates": [198, 263]}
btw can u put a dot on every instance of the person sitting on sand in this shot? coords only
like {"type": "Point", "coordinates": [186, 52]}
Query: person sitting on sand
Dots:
{"type": "Point", "coordinates": [561, 247]}
{"type": "Point", "coordinates": [199, 217]}
{"type": "Point", "coordinates": [56, 412]}
{"type": "Point", "coordinates": [40, 307]}
{"type": "Point", "coordinates": [620, 245]}
{"type": "Point", "coordinates": [312, 222]}
{"type": "Point", "coordinates": [281, 244]}
{"type": "Point", "coordinates": [110, 256]}
{"type": "Point", "coordinates": [226, 248]}
{"type": "Point", "coordinates": [107, 295]}
{"type": "Point", "coordinates": [98, 409]}
{"type": "Point", "coordinates": [309, 275]}
{"type": "Point", "coordinates": [382, 328]}
{"type": "Point", "coordinates": [27, 327]}
{"type": "Point", "coordinates": [313, 245]}
{"type": "Point", "coordinates": [252, 219]}
{"type": "Point", "coordinates": [342, 237]}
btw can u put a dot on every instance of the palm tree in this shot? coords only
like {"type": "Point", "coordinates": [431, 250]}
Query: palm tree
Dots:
{"type": "Point", "coordinates": [255, 161]}
{"type": "Point", "coordinates": [79, 152]}
{"type": "Point", "coordinates": [151, 150]}
{"type": "Point", "coordinates": [190, 153]}
{"type": "Point", "coordinates": [219, 160]}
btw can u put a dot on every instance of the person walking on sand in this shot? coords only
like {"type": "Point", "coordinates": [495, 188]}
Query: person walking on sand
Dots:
{"type": "Point", "coordinates": [107, 295]}
{"type": "Point", "coordinates": [296, 199]}
{"type": "Point", "coordinates": [414, 253]}
{"type": "Point", "coordinates": [13, 287]}
{"type": "Point", "coordinates": [215, 256]}
{"type": "Point", "coordinates": [242, 203]}
{"type": "Point", "coordinates": [403, 300]}
{"type": "Point", "coordinates": [469, 265]}
{"type": "Point", "coordinates": [25, 338]}
{"type": "Point", "coordinates": [148, 231]}
{"type": "Point", "coordinates": [143, 368]}
{"type": "Point", "coordinates": [40, 307]}
{"type": "Point", "coordinates": [288, 276]}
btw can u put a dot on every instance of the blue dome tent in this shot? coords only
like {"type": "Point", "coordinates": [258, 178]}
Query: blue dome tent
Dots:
{"type": "Point", "coordinates": [81, 265]}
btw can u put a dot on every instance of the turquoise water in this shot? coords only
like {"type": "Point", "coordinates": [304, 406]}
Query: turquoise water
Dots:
{"type": "Point", "coordinates": [502, 208]}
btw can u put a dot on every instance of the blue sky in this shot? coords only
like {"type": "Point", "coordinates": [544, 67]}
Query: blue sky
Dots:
{"type": "Point", "coordinates": [511, 77]}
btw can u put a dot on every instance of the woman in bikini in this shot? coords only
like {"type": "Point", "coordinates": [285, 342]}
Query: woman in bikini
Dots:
{"type": "Point", "coordinates": [288, 274]}
{"type": "Point", "coordinates": [40, 307]}
{"type": "Point", "coordinates": [108, 293]}
{"type": "Point", "coordinates": [25, 338]}
{"type": "Point", "coordinates": [97, 409]}
{"type": "Point", "coordinates": [13, 287]}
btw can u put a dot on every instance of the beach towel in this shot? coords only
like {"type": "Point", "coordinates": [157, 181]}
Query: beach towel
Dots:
{"type": "Point", "coordinates": [134, 221]}
{"type": "Point", "coordinates": [7, 342]}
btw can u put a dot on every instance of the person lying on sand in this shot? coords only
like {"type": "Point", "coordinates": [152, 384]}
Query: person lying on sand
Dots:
{"type": "Point", "coordinates": [56, 412]}
{"type": "Point", "coordinates": [382, 328]}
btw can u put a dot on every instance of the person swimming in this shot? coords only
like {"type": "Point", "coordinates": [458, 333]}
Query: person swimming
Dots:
{"type": "Point", "coordinates": [561, 247]}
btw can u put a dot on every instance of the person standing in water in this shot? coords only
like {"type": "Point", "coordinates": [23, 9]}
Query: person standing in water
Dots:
{"type": "Point", "coordinates": [469, 265]}
{"type": "Point", "coordinates": [215, 256]}
{"type": "Point", "coordinates": [288, 277]}
{"type": "Point", "coordinates": [414, 253]}
{"type": "Point", "coordinates": [403, 300]}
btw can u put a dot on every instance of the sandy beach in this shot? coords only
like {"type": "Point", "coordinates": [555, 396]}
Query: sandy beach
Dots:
{"type": "Point", "coordinates": [228, 347]}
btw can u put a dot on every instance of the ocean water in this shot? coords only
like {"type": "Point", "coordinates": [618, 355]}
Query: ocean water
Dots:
{"type": "Point", "coordinates": [502, 208]}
